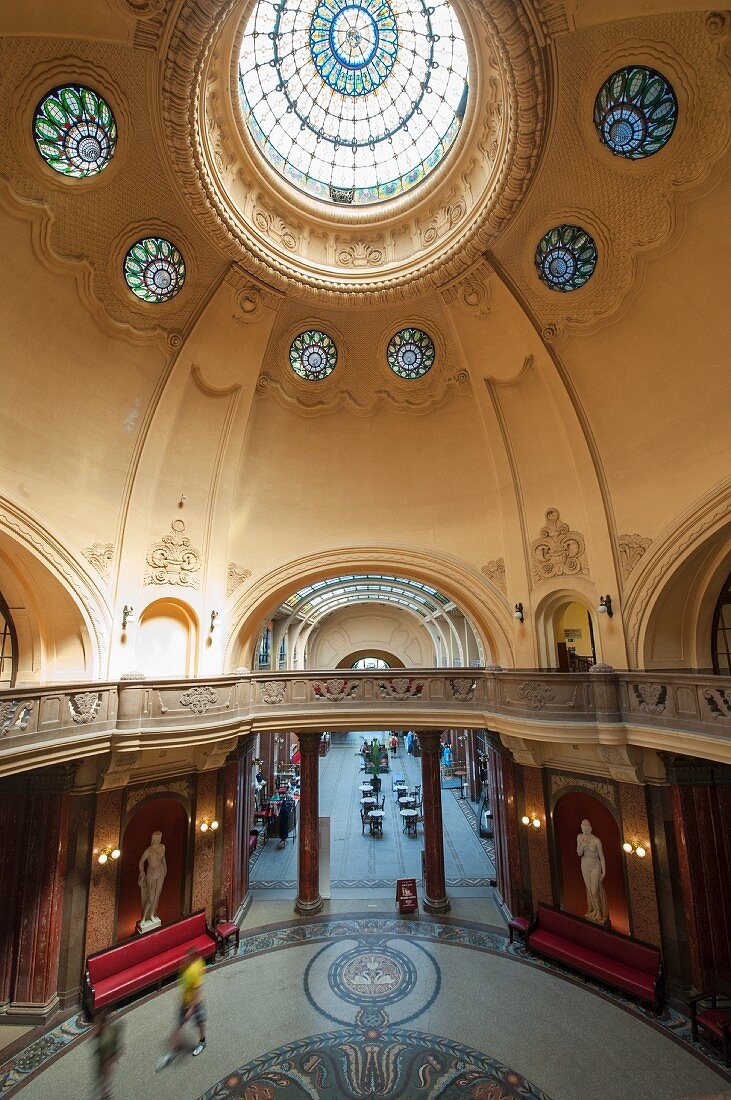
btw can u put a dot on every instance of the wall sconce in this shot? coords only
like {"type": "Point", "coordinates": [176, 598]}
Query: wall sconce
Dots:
{"type": "Point", "coordinates": [207, 824]}
{"type": "Point", "coordinates": [605, 606]}
{"type": "Point", "coordinates": [128, 616]}
{"type": "Point", "coordinates": [532, 820]}
{"type": "Point", "coordinates": [214, 616]}
{"type": "Point", "coordinates": [634, 849]}
{"type": "Point", "coordinates": [108, 853]}
{"type": "Point", "coordinates": [518, 613]}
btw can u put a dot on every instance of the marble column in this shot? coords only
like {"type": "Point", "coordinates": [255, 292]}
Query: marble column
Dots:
{"type": "Point", "coordinates": [308, 895]}
{"type": "Point", "coordinates": [435, 887]}
{"type": "Point", "coordinates": [505, 823]}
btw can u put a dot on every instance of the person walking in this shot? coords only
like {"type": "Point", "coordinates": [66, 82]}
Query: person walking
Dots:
{"type": "Point", "coordinates": [192, 1007]}
{"type": "Point", "coordinates": [283, 823]}
{"type": "Point", "coordinates": [393, 743]}
{"type": "Point", "coordinates": [108, 1051]}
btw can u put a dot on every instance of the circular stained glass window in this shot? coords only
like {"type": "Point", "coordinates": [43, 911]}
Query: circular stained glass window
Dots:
{"type": "Point", "coordinates": [154, 269]}
{"type": "Point", "coordinates": [313, 355]}
{"type": "Point", "coordinates": [411, 353]}
{"type": "Point", "coordinates": [353, 101]}
{"type": "Point", "coordinates": [566, 257]}
{"type": "Point", "coordinates": [75, 131]}
{"type": "Point", "coordinates": [635, 112]}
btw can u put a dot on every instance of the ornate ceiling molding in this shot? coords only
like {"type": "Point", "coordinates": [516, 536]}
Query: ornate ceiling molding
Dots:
{"type": "Point", "coordinates": [399, 248]}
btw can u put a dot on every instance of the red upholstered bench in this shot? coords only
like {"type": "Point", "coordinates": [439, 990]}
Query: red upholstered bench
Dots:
{"type": "Point", "coordinates": [518, 926]}
{"type": "Point", "coordinates": [616, 960]}
{"type": "Point", "coordinates": [144, 960]}
{"type": "Point", "coordinates": [711, 1011]}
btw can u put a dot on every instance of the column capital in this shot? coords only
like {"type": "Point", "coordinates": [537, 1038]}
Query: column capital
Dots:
{"type": "Point", "coordinates": [309, 740]}
{"type": "Point", "coordinates": [430, 740]}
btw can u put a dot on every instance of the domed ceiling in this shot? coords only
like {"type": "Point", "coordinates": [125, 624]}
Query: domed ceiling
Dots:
{"type": "Point", "coordinates": [356, 147]}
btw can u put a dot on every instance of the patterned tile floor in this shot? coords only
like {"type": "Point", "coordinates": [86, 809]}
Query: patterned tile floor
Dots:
{"type": "Point", "coordinates": [378, 1006]}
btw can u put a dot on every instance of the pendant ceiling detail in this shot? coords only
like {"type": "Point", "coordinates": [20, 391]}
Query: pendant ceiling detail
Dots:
{"type": "Point", "coordinates": [353, 101]}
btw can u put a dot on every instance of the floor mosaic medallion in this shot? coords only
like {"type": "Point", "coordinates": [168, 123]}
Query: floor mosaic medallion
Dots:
{"type": "Point", "coordinates": [374, 1064]}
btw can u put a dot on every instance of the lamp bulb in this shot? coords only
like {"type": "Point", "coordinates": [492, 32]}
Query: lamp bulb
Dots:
{"type": "Point", "coordinates": [116, 853]}
{"type": "Point", "coordinates": [214, 825]}
{"type": "Point", "coordinates": [102, 857]}
{"type": "Point", "coordinates": [602, 609]}
{"type": "Point", "coordinates": [204, 826]}
{"type": "Point", "coordinates": [627, 846]}
{"type": "Point", "coordinates": [536, 823]}
{"type": "Point", "coordinates": [640, 852]}
{"type": "Point", "coordinates": [525, 820]}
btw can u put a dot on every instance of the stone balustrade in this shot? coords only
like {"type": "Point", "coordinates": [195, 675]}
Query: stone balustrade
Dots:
{"type": "Point", "coordinates": [676, 712]}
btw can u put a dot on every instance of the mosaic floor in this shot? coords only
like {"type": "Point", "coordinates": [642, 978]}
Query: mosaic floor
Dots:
{"type": "Point", "coordinates": [377, 1007]}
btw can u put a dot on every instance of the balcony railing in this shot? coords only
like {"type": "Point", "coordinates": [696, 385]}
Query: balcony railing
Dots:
{"type": "Point", "coordinates": [683, 712]}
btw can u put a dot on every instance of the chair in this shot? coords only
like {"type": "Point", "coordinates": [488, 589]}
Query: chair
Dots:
{"type": "Point", "coordinates": [711, 1010]}
{"type": "Point", "coordinates": [224, 929]}
{"type": "Point", "coordinates": [417, 792]}
{"type": "Point", "coordinates": [377, 826]}
{"type": "Point", "coordinates": [364, 820]}
{"type": "Point", "coordinates": [382, 804]}
{"type": "Point", "coordinates": [376, 784]}
{"type": "Point", "coordinates": [411, 825]}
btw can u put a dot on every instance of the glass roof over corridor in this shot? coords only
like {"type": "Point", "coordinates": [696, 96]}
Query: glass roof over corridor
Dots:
{"type": "Point", "coordinates": [284, 640]}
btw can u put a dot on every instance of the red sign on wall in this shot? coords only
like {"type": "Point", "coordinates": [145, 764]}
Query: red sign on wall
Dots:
{"type": "Point", "coordinates": [406, 895]}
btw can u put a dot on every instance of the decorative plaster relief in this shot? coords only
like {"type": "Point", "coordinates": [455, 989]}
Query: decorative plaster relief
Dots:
{"type": "Point", "coordinates": [631, 549]}
{"type": "Point", "coordinates": [273, 691]}
{"type": "Point", "coordinates": [276, 229]}
{"type": "Point", "coordinates": [495, 572]}
{"type": "Point", "coordinates": [472, 294]}
{"type": "Point", "coordinates": [719, 703]}
{"type": "Point", "coordinates": [536, 694]}
{"type": "Point", "coordinates": [334, 691]}
{"type": "Point", "coordinates": [651, 698]}
{"type": "Point", "coordinates": [84, 707]}
{"type": "Point", "coordinates": [14, 715]}
{"type": "Point", "coordinates": [524, 752]}
{"type": "Point", "coordinates": [198, 699]}
{"type": "Point", "coordinates": [235, 576]}
{"type": "Point", "coordinates": [561, 782]}
{"type": "Point", "coordinates": [100, 555]}
{"type": "Point", "coordinates": [401, 687]}
{"type": "Point", "coordinates": [463, 689]}
{"type": "Point", "coordinates": [621, 763]}
{"type": "Point", "coordinates": [558, 551]}
{"type": "Point", "coordinates": [445, 219]}
{"type": "Point", "coordinates": [360, 253]}
{"type": "Point", "coordinates": [555, 18]}
{"type": "Point", "coordinates": [173, 560]}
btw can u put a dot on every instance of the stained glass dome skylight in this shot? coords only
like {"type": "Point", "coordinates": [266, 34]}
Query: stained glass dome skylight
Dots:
{"type": "Point", "coordinates": [635, 112]}
{"type": "Point", "coordinates": [75, 131]}
{"type": "Point", "coordinates": [353, 101]}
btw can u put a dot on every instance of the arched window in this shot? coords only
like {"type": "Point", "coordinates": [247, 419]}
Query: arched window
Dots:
{"type": "Point", "coordinates": [721, 636]}
{"type": "Point", "coordinates": [371, 662]}
{"type": "Point", "coordinates": [8, 647]}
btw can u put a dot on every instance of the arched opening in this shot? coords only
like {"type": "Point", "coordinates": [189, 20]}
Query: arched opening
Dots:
{"type": "Point", "coordinates": [568, 813]}
{"type": "Point", "coordinates": [167, 816]}
{"type": "Point", "coordinates": [168, 640]}
{"type": "Point", "coordinates": [8, 647]}
{"type": "Point", "coordinates": [321, 624]}
{"type": "Point", "coordinates": [721, 632]}
{"type": "Point", "coordinates": [371, 660]}
{"type": "Point", "coordinates": [566, 632]}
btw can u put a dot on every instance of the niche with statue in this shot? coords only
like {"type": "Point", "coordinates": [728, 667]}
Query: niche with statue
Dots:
{"type": "Point", "coordinates": [152, 876]}
{"type": "Point", "coordinates": [590, 860]}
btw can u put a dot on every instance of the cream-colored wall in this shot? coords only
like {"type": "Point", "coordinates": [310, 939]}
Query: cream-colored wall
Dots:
{"type": "Point", "coordinates": [375, 627]}
{"type": "Point", "coordinates": [121, 420]}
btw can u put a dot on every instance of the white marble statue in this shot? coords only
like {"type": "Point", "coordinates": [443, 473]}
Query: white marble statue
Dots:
{"type": "Point", "coordinates": [151, 880]}
{"type": "Point", "coordinates": [593, 870]}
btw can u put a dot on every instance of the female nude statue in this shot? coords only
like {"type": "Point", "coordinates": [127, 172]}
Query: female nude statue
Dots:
{"type": "Point", "coordinates": [593, 870]}
{"type": "Point", "coordinates": [150, 881]}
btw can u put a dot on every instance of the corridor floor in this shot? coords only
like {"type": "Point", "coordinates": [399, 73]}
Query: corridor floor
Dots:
{"type": "Point", "coordinates": [359, 861]}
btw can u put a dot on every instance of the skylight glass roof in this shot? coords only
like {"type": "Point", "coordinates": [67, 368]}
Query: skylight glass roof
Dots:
{"type": "Point", "coordinates": [353, 101]}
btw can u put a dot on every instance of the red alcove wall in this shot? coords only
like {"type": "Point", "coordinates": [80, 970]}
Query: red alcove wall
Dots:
{"type": "Point", "coordinates": [568, 813]}
{"type": "Point", "coordinates": [168, 817]}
